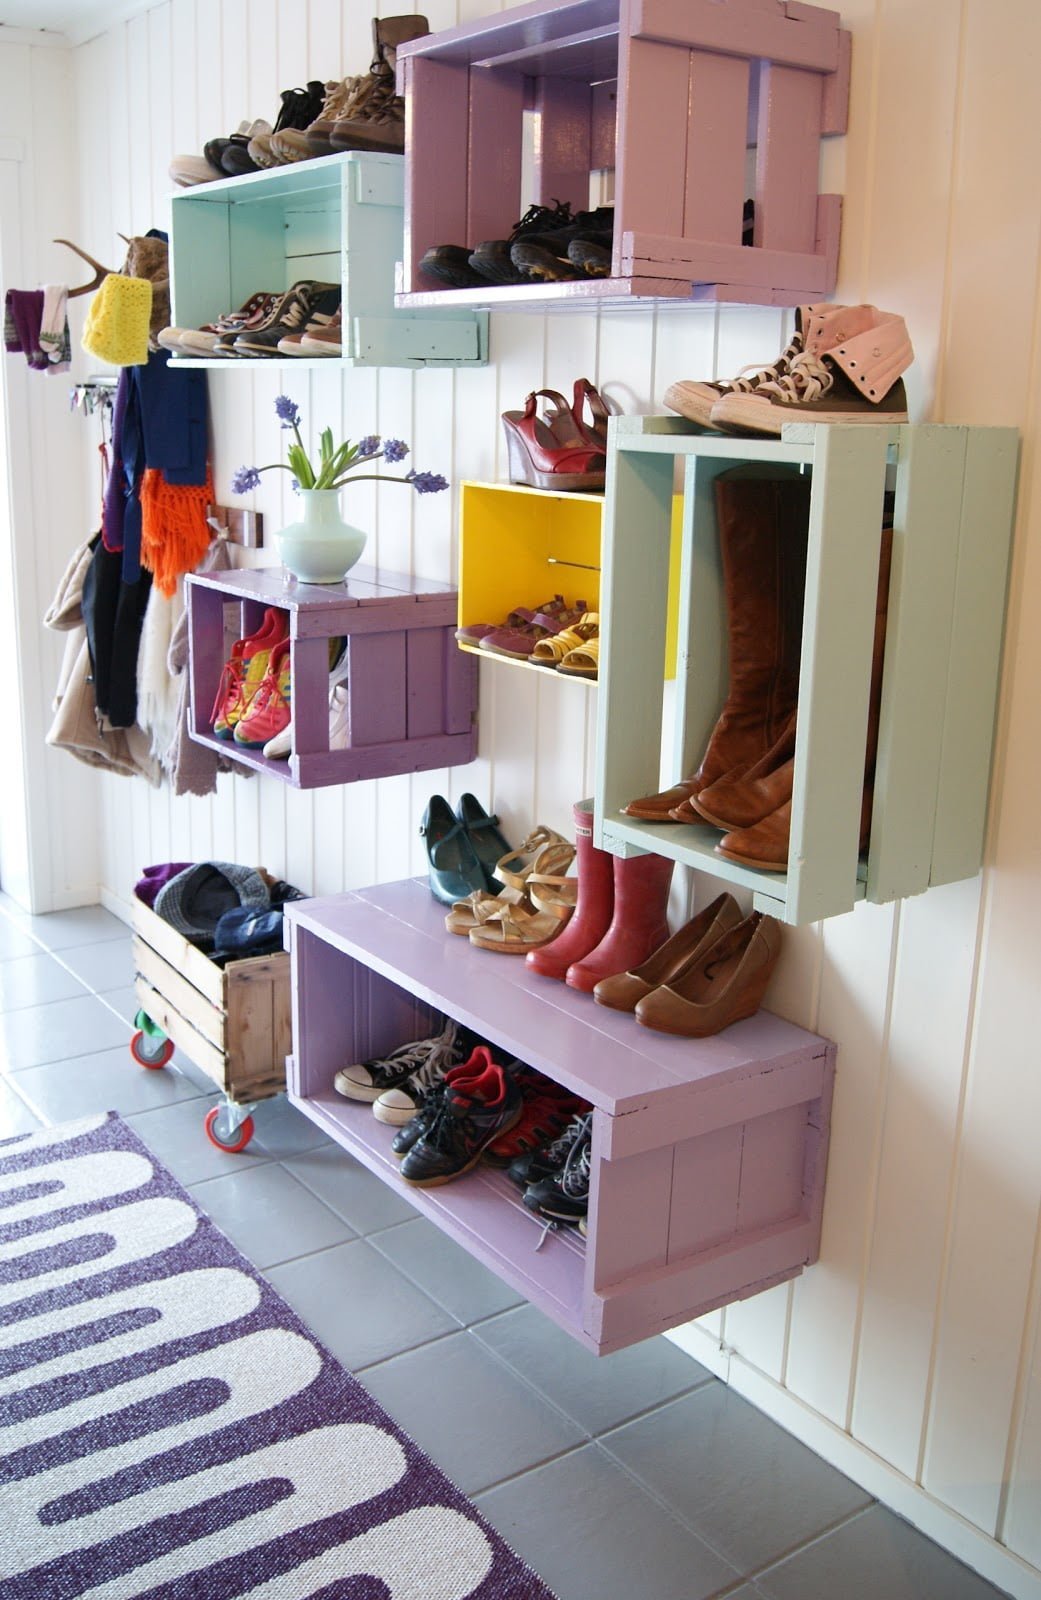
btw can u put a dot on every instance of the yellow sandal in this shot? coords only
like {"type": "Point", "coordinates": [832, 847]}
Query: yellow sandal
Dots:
{"type": "Point", "coordinates": [550, 652]}
{"type": "Point", "coordinates": [582, 662]}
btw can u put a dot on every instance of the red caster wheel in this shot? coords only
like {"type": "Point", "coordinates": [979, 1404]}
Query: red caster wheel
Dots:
{"type": "Point", "coordinates": [149, 1052]}
{"type": "Point", "coordinates": [218, 1134]}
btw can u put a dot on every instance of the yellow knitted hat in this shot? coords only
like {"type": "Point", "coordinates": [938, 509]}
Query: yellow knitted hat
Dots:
{"type": "Point", "coordinates": [116, 329]}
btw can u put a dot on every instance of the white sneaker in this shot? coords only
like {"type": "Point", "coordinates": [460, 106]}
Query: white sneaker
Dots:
{"type": "Point", "coordinates": [280, 748]}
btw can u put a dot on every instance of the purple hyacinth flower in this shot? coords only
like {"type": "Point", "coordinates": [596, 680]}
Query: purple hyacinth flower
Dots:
{"type": "Point", "coordinates": [245, 479]}
{"type": "Point", "coordinates": [394, 450]}
{"type": "Point", "coordinates": [287, 411]}
{"type": "Point", "coordinates": [369, 445]}
{"type": "Point", "coordinates": [427, 482]}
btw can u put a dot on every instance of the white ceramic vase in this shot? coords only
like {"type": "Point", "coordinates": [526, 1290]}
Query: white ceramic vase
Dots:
{"type": "Point", "coordinates": [321, 547]}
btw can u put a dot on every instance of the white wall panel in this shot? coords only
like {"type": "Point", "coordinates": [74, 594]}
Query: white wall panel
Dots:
{"type": "Point", "coordinates": [917, 1333]}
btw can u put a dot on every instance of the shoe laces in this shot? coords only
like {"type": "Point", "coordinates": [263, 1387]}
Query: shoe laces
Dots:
{"type": "Point", "coordinates": [574, 1179]}
{"type": "Point", "coordinates": [807, 378]}
{"type": "Point", "coordinates": [372, 93]}
{"type": "Point", "coordinates": [229, 689]}
{"type": "Point", "coordinates": [269, 693]}
{"type": "Point", "coordinates": [433, 1061]}
{"type": "Point", "coordinates": [294, 103]}
{"type": "Point", "coordinates": [537, 218]}
{"type": "Point", "coordinates": [752, 377]}
{"type": "Point", "coordinates": [560, 1149]}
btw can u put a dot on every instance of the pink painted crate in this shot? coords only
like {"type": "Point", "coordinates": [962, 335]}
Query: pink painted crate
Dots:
{"type": "Point", "coordinates": [709, 1156]}
{"type": "Point", "coordinates": [412, 695]}
{"type": "Point", "coordinates": [673, 94]}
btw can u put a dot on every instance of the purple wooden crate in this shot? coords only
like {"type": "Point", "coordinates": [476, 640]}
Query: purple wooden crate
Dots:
{"type": "Point", "coordinates": [671, 94]}
{"type": "Point", "coordinates": [411, 706]}
{"type": "Point", "coordinates": [709, 1155]}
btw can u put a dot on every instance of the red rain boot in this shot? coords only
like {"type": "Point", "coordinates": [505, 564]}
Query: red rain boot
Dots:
{"type": "Point", "coordinates": [591, 917]}
{"type": "Point", "coordinates": [638, 927]}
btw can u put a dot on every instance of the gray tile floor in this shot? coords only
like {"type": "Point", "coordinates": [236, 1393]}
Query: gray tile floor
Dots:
{"type": "Point", "coordinates": [637, 1475]}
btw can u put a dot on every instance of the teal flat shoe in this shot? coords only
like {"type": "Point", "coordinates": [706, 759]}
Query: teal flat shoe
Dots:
{"type": "Point", "coordinates": [489, 844]}
{"type": "Point", "coordinates": [454, 869]}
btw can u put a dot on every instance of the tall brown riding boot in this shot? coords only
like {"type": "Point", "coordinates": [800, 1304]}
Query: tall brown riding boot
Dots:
{"type": "Point", "coordinates": [763, 518]}
{"type": "Point", "coordinates": [764, 843]}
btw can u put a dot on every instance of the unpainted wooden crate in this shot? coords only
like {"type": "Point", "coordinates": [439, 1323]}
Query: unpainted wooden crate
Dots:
{"type": "Point", "coordinates": [233, 1022]}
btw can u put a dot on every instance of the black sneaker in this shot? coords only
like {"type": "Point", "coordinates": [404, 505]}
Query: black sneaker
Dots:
{"type": "Point", "coordinates": [367, 1080]}
{"type": "Point", "coordinates": [469, 1118]}
{"type": "Point", "coordinates": [564, 1197]}
{"type": "Point", "coordinates": [493, 259]}
{"type": "Point", "coordinates": [536, 1164]}
{"type": "Point", "coordinates": [543, 256]}
{"type": "Point", "coordinates": [418, 1125]}
{"type": "Point", "coordinates": [450, 264]}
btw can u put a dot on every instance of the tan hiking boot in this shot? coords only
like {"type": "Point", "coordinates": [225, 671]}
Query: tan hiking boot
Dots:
{"type": "Point", "coordinates": [374, 118]}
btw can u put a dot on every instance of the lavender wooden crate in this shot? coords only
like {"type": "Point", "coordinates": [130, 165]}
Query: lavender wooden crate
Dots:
{"type": "Point", "coordinates": [670, 93]}
{"type": "Point", "coordinates": [412, 695]}
{"type": "Point", "coordinates": [708, 1156]}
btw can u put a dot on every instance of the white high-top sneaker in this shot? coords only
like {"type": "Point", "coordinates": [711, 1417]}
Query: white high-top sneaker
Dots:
{"type": "Point", "coordinates": [851, 374]}
{"type": "Point", "coordinates": [696, 400]}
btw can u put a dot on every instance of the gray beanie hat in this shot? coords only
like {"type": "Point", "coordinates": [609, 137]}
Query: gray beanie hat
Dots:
{"type": "Point", "coordinates": [195, 900]}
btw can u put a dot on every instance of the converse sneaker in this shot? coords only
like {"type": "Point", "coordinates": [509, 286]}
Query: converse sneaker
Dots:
{"type": "Point", "coordinates": [564, 1196]}
{"type": "Point", "coordinates": [853, 376]}
{"type": "Point", "coordinates": [300, 306]}
{"type": "Point", "coordinates": [397, 1102]}
{"type": "Point", "coordinates": [474, 1112]}
{"type": "Point", "coordinates": [696, 400]}
{"type": "Point", "coordinates": [367, 1080]}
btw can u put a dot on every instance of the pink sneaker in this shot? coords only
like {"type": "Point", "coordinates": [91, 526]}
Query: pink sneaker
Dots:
{"type": "Point", "coordinates": [244, 672]}
{"type": "Point", "coordinates": [270, 709]}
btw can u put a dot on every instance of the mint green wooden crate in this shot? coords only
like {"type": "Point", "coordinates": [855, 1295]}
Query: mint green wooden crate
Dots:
{"type": "Point", "coordinates": [955, 499]}
{"type": "Point", "coordinates": [339, 219]}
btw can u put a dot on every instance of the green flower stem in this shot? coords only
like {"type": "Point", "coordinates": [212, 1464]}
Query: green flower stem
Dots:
{"type": "Point", "coordinates": [359, 477]}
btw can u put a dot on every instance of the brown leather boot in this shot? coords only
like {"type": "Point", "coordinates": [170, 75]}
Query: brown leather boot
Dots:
{"type": "Point", "coordinates": [749, 794]}
{"type": "Point", "coordinates": [764, 844]}
{"type": "Point", "coordinates": [763, 518]}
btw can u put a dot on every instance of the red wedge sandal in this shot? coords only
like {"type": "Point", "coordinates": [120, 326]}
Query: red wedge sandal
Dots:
{"type": "Point", "coordinates": [553, 452]}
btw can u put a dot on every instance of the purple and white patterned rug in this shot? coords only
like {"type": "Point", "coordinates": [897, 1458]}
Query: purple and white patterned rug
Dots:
{"type": "Point", "coordinates": [169, 1428]}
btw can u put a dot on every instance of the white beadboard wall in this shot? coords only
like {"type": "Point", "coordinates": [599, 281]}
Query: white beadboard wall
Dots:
{"type": "Point", "coordinates": [909, 1354]}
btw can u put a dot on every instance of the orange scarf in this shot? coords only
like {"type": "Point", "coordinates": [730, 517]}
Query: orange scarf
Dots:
{"type": "Point", "coordinates": [174, 532]}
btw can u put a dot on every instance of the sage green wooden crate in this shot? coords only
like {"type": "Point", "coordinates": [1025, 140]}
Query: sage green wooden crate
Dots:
{"type": "Point", "coordinates": [339, 219]}
{"type": "Point", "coordinates": [955, 498]}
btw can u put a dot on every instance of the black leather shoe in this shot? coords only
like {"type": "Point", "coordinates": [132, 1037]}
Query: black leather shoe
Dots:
{"type": "Point", "coordinates": [489, 844]}
{"type": "Point", "coordinates": [454, 869]}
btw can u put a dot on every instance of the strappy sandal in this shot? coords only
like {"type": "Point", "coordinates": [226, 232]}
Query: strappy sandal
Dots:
{"type": "Point", "coordinates": [584, 662]}
{"type": "Point", "coordinates": [517, 643]}
{"type": "Point", "coordinates": [544, 850]}
{"type": "Point", "coordinates": [474, 911]}
{"type": "Point", "coordinates": [556, 896]}
{"type": "Point", "coordinates": [550, 652]}
{"type": "Point", "coordinates": [511, 930]}
{"type": "Point", "coordinates": [537, 456]}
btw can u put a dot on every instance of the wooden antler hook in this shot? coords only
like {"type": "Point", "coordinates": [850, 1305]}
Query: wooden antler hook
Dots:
{"type": "Point", "coordinates": [99, 271]}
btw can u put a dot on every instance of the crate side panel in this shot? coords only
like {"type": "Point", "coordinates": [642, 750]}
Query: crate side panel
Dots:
{"type": "Point", "coordinates": [930, 479]}
{"type": "Point", "coordinates": [376, 687]}
{"type": "Point", "coordinates": [705, 1184]}
{"type": "Point", "coordinates": [772, 1169]}
{"type": "Point", "coordinates": [978, 623]}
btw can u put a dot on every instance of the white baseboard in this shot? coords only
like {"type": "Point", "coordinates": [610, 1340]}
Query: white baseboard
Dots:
{"type": "Point", "coordinates": [937, 1521]}
{"type": "Point", "coordinates": [117, 905]}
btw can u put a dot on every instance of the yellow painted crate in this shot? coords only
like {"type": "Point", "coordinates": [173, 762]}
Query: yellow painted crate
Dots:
{"type": "Point", "coordinates": [519, 546]}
